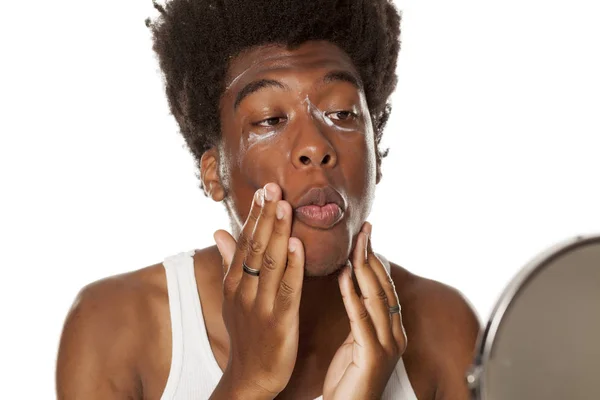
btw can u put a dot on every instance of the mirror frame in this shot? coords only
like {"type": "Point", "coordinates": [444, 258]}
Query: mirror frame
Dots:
{"type": "Point", "coordinates": [476, 375]}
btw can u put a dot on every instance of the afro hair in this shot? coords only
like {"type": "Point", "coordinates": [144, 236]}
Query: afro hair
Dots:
{"type": "Point", "coordinates": [195, 40]}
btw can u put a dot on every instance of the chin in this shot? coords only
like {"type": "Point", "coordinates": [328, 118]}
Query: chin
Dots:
{"type": "Point", "coordinates": [324, 253]}
{"type": "Point", "coordinates": [321, 270]}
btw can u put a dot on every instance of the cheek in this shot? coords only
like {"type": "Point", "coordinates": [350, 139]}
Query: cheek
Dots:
{"type": "Point", "coordinates": [360, 176]}
{"type": "Point", "coordinates": [263, 159]}
{"type": "Point", "coordinates": [357, 156]}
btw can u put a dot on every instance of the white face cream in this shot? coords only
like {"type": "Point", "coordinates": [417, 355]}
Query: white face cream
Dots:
{"type": "Point", "coordinates": [305, 105]}
{"type": "Point", "coordinates": [254, 138]}
{"type": "Point", "coordinates": [322, 116]}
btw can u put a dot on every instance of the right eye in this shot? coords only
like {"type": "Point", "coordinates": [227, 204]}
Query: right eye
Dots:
{"type": "Point", "coordinates": [270, 122]}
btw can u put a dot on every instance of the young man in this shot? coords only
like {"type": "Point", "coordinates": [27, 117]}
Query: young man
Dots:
{"type": "Point", "coordinates": [283, 104]}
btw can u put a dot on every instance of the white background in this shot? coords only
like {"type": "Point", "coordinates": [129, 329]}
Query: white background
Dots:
{"type": "Point", "coordinates": [494, 155]}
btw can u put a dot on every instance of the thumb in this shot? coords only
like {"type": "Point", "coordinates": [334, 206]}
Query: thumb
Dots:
{"type": "Point", "coordinates": [226, 245]}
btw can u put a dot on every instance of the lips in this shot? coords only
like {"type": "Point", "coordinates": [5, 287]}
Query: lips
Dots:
{"type": "Point", "coordinates": [320, 208]}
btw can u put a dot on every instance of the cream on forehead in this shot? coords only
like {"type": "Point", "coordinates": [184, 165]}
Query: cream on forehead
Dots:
{"type": "Point", "coordinates": [255, 63]}
{"type": "Point", "coordinates": [239, 76]}
{"type": "Point", "coordinates": [260, 60]}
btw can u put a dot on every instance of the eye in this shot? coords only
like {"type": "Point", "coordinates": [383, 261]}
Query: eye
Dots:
{"type": "Point", "coordinates": [342, 115]}
{"type": "Point", "coordinates": [270, 122]}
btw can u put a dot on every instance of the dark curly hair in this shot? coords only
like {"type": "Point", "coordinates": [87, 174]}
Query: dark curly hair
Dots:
{"type": "Point", "coordinates": [196, 39]}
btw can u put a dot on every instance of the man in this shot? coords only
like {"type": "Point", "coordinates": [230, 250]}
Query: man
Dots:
{"type": "Point", "coordinates": [283, 104]}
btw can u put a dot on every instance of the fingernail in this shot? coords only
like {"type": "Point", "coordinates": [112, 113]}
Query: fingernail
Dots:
{"type": "Point", "coordinates": [348, 271]}
{"type": "Point", "coordinates": [291, 246]}
{"type": "Point", "coordinates": [259, 197]}
{"type": "Point", "coordinates": [218, 243]}
{"type": "Point", "coordinates": [368, 228]}
{"type": "Point", "coordinates": [269, 193]}
{"type": "Point", "coordinates": [279, 212]}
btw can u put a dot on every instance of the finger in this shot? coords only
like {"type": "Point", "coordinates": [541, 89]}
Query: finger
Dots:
{"type": "Point", "coordinates": [290, 286]}
{"type": "Point", "coordinates": [390, 290]}
{"type": "Point", "coordinates": [374, 297]}
{"type": "Point", "coordinates": [234, 271]}
{"type": "Point", "coordinates": [360, 322]}
{"type": "Point", "coordinates": [226, 246]}
{"type": "Point", "coordinates": [259, 240]}
{"type": "Point", "coordinates": [275, 257]}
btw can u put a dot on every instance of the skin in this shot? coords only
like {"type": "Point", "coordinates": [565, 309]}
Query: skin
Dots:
{"type": "Point", "coordinates": [117, 339]}
{"type": "Point", "coordinates": [252, 166]}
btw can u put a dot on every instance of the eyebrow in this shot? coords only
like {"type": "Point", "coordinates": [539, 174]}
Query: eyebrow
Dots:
{"type": "Point", "coordinates": [342, 76]}
{"type": "Point", "coordinates": [255, 86]}
{"type": "Point", "coordinates": [330, 77]}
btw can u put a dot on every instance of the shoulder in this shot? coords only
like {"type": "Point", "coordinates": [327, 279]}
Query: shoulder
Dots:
{"type": "Point", "coordinates": [442, 328]}
{"type": "Point", "coordinates": [119, 301]}
{"type": "Point", "coordinates": [103, 335]}
{"type": "Point", "coordinates": [437, 305]}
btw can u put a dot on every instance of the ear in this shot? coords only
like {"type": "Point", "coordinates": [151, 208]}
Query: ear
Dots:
{"type": "Point", "coordinates": [377, 169]}
{"type": "Point", "coordinates": [209, 170]}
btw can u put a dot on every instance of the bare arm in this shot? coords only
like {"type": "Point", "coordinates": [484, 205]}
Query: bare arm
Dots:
{"type": "Point", "coordinates": [442, 329]}
{"type": "Point", "coordinates": [97, 353]}
{"type": "Point", "coordinates": [460, 326]}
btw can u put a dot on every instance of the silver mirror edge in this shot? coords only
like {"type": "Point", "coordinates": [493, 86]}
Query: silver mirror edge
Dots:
{"type": "Point", "coordinates": [475, 375]}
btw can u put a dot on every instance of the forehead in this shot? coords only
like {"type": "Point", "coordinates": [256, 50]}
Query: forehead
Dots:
{"type": "Point", "coordinates": [314, 55]}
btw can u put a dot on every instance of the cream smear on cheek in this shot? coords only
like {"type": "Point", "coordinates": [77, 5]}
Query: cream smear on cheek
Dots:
{"type": "Point", "coordinates": [311, 109]}
{"type": "Point", "coordinates": [322, 117]}
{"type": "Point", "coordinates": [255, 139]}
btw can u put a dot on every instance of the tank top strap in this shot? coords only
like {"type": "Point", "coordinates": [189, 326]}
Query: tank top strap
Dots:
{"type": "Point", "coordinates": [194, 372]}
{"type": "Point", "coordinates": [399, 382]}
{"type": "Point", "coordinates": [384, 261]}
{"type": "Point", "coordinates": [192, 359]}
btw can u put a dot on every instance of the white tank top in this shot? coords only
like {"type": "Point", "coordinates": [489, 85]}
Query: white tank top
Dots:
{"type": "Point", "coordinates": [194, 372]}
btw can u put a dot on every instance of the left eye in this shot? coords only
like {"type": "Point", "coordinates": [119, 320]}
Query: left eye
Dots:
{"type": "Point", "coordinates": [341, 115]}
{"type": "Point", "coordinates": [270, 122]}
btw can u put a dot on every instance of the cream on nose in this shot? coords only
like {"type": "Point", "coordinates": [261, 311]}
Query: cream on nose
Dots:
{"type": "Point", "coordinates": [313, 147]}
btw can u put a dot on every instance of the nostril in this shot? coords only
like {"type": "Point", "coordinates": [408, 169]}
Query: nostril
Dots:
{"type": "Point", "coordinates": [326, 159]}
{"type": "Point", "coordinates": [305, 160]}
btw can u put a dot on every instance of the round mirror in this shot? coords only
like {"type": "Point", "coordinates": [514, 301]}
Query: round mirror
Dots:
{"type": "Point", "coordinates": [543, 338]}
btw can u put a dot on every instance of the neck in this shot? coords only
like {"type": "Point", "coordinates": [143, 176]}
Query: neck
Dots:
{"type": "Point", "coordinates": [323, 319]}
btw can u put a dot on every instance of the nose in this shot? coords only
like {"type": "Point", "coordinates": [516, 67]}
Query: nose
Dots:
{"type": "Point", "coordinates": [312, 148]}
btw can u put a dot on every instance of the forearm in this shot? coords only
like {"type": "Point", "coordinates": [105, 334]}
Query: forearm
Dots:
{"type": "Point", "coordinates": [454, 390]}
{"type": "Point", "coordinates": [232, 389]}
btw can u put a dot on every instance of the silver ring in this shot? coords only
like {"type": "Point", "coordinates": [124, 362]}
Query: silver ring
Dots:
{"type": "Point", "coordinates": [394, 309]}
{"type": "Point", "coordinates": [250, 271]}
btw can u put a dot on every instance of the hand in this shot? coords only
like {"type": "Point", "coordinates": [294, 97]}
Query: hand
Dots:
{"type": "Point", "coordinates": [261, 313]}
{"type": "Point", "coordinates": [362, 366]}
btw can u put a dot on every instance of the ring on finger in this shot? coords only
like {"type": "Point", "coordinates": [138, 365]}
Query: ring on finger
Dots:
{"type": "Point", "coordinates": [394, 309]}
{"type": "Point", "coordinates": [250, 271]}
